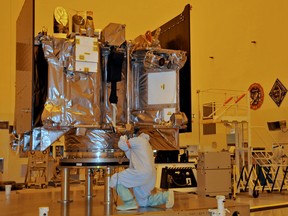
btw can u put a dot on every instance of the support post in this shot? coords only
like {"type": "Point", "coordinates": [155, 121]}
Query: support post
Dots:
{"type": "Point", "coordinates": [89, 182]}
{"type": "Point", "coordinates": [65, 185]}
{"type": "Point", "coordinates": [108, 199]}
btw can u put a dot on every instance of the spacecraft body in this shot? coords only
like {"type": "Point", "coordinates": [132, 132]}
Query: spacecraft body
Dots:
{"type": "Point", "coordinates": [98, 88]}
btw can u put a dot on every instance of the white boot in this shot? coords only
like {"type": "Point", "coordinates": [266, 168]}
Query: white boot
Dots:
{"type": "Point", "coordinates": [127, 197]}
{"type": "Point", "coordinates": [170, 199]}
{"type": "Point", "coordinates": [128, 205]}
{"type": "Point", "coordinates": [166, 197]}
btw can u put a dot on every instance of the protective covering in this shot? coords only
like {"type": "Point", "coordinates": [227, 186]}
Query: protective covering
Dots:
{"type": "Point", "coordinates": [155, 85]}
{"type": "Point", "coordinates": [42, 137]}
{"type": "Point", "coordinates": [162, 138]}
{"type": "Point", "coordinates": [73, 97]}
{"type": "Point", "coordinates": [92, 143]}
{"type": "Point", "coordinates": [130, 86]}
{"type": "Point", "coordinates": [114, 34]}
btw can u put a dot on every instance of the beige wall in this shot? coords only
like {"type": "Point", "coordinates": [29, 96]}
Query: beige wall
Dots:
{"type": "Point", "coordinates": [7, 62]}
{"type": "Point", "coordinates": [223, 29]}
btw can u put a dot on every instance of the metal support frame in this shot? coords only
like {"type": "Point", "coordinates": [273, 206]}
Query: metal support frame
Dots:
{"type": "Point", "coordinates": [89, 165]}
{"type": "Point", "coordinates": [65, 185]}
{"type": "Point", "coordinates": [108, 199]}
{"type": "Point", "coordinates": [89, 182]}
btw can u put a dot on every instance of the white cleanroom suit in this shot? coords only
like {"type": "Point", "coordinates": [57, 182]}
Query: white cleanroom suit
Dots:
{"type": "Point", "coordinates": [140, 176]}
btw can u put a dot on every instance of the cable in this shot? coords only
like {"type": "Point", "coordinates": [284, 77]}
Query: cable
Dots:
{"type": "Point", "coordinates": [170, 180]}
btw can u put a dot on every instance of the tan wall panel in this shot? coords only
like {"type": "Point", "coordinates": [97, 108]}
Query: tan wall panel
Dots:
{"type": "Point", "coordinates": [223, 30]}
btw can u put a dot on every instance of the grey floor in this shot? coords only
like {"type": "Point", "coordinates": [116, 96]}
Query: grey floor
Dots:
{"type": "Point", "coordinates": [26, 202]}
{"type": "Point", "coordinates": [267, 204]}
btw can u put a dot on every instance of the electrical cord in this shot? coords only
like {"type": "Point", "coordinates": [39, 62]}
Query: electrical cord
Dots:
{"type": "Point", "coordinates": [171, 180]}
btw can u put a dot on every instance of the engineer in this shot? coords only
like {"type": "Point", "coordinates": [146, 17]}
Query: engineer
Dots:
{"type": "Point", "coordinates": [140, 176]}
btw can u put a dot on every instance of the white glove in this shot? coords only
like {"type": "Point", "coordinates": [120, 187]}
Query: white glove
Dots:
{"type": "Point", "coordinates": [123, 138]}
{"type": "Point", "coordinates": [122, 143]}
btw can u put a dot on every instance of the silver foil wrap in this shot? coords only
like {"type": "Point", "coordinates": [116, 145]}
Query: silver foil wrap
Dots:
{"type": "Point", "coordinates": [78, 106]}
{"type": "Point", "coordinates": [162, 138]}
{"type": "Point", "coordinates": [91, 142]}
{"type": "Point", "coordinates": [42, 137]}
{"type": "Point", "coordinates": [150, 68]}
{"type": "Point", "coordinates": [73, 97]}
{"type": "Point", "coordinates": [114, 34]}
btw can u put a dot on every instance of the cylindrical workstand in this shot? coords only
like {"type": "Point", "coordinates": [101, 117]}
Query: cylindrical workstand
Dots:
{"type": "Point", "coordinates": [89, 182]}
{"type": "Point", "coordinates": [89, 164]}
{"type": "Point", "coordinates": [108, 199]}
{"type": "Point", "coordinates": [65, 185]}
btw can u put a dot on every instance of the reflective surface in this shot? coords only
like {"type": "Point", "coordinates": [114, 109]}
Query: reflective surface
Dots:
{"type": "Point", "coordinates": [26, 202]}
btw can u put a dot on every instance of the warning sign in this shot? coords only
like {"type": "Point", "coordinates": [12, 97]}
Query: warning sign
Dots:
{"type": "Point", "coordinates": [278, 92]}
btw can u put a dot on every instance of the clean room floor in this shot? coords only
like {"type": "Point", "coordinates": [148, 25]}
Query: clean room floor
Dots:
{"type": "Point", "coordinates": [26, 202]}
